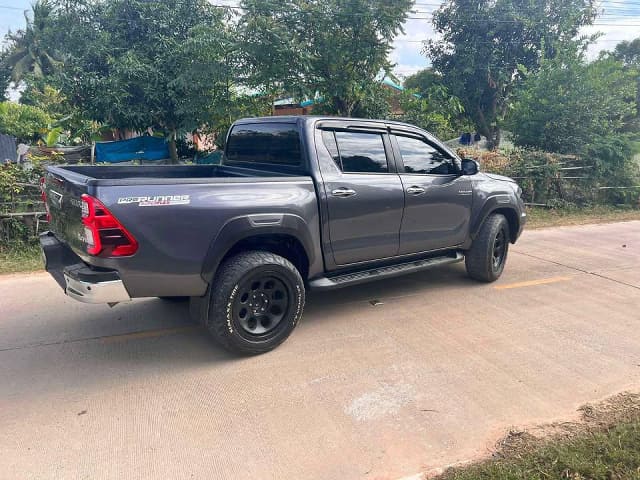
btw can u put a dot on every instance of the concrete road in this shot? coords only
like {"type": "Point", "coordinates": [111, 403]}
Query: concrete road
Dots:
{"type": "Point", "coordinates": [379, 381]}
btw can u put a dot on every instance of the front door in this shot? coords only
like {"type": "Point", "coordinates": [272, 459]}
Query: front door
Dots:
{"type": "Point", "coordinates": [437, 198]}
{"type": "Point", "coordinates": [364, 195]}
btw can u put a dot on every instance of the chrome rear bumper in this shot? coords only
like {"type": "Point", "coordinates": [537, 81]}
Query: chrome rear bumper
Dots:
{"type": "Point", "coordinates": [79, 280]}
{"type": "Point", "coordinates": [111, 291]}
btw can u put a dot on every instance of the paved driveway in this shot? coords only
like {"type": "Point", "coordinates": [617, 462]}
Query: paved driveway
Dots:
{"type": "Point", "coordinates": [378, 382]}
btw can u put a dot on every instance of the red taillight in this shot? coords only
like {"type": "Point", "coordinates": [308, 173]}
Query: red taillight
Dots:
{"type": "Point", "coordinates": [103, 233]}
{"type": "Point", "coordinates": [43, 195]}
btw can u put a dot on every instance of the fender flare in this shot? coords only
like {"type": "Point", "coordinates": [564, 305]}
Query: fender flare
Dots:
{"type": "Point", "coordinates": [493, 203]}
{"type": "Point", "coordinates": [246, 226]}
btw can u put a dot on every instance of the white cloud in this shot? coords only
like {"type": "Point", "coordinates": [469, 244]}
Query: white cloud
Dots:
{"type": "Point", "coordinates": [407, 48]}
{"type": "Point", "coordinates": [618, 20]}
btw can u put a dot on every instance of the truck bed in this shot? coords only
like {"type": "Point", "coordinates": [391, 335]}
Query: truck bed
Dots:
{"type": "Point", "coordinates": [99, 175]}
{"type": "Point", "coordinates": [174, 238]}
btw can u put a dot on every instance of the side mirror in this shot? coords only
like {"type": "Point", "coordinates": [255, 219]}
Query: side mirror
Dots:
{"type": "Point", "coordinates": [470, 167]}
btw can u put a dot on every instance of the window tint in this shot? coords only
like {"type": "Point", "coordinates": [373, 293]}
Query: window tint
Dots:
{"type": "Point", "coordinates": [330, 142]}
{"type": "Point", "coordinates": [420, 157]}
{"type": "Point", "coordinates": [271, 143]}
{"type": "Point", "coordinates": [362, 152]}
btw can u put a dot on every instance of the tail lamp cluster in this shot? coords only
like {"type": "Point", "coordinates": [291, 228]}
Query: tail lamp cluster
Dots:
{"type": "Point", "coordinates": [43, 195]}
{"type": "Point", "coordinates": [104, 234]}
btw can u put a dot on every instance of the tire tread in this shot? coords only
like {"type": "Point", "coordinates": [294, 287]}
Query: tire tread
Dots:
{"type": "Point", "coordinates": [478, 259]}
{"type": "Point", "coordinates": [225, 280]}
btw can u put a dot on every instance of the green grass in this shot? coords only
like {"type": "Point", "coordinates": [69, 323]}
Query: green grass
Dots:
{"type": "Point", "coordinates": [544, 217]}
{"type": "Point", "coordinates": [612, 454]}
{"type": "Point", "coordinates": [605, 446]}
{"type": "Point", "coordinates": [20, 259]}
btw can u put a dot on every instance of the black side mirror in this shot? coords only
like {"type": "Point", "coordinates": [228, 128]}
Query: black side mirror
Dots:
{"type": "Point", "coordinates": [470, 167]}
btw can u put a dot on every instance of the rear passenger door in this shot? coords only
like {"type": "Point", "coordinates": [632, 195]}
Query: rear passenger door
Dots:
{"type": "Point", "coordinates": [364, 195]}
{"type": "Point", "coordinates": [437, 198]}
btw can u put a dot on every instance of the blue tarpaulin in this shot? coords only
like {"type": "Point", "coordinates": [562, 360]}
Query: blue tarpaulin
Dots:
{"type": "Point", "coordinates": [212, 158]}
{"type": "Point", "coordinates": [139, 148]}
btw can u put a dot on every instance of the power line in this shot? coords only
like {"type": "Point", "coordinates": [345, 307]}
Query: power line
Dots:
{"type": "Point", "coordinates": [423, 15]}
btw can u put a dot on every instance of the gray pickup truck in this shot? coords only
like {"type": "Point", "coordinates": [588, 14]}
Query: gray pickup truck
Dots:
{"type": "Point", "coordinates": [298, 203]}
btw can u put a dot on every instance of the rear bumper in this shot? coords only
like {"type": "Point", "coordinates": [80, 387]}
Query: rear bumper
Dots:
{"type": "Point", "coordinates": [78, 280]}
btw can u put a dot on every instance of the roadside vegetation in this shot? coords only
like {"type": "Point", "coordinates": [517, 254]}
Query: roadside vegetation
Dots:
{"type": "Point", "coordinates": [25, 258]}
{"type": "Point", "coordinates": [604, 445]}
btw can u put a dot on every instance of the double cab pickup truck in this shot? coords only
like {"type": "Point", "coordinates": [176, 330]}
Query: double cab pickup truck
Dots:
{"type": "Point", "coordinates": [298, 203]}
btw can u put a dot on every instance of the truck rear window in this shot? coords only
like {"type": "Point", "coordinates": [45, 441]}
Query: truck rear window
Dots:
{"type": "Point", "coordinates": [264, 143]}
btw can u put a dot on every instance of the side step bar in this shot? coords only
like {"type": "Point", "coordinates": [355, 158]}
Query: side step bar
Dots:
{"type": "Point", "coordinates": [348, 279]}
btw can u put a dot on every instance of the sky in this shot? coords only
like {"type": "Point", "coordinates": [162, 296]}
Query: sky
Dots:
{"type": "Point", "coordinates": [619, 20]}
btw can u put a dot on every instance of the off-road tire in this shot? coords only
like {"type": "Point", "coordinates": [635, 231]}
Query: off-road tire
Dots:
{"type": "Point", "coordinates": [223, 320]}
{"type": "Point", "coordinates": [479, 259]}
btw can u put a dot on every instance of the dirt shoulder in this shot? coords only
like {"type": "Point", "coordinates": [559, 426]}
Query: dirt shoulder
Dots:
{"type": "Point", "coordinates": [545, 218]}
{"type": "Point", "coordinates": [604, 443]}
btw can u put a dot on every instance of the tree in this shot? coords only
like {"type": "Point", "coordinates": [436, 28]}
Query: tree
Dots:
{"type": "Point", "coordinates": [164, 65]}
{"type": "Point", "coordinates": [484, 42]}
{"type": "Point", "coordinates": [434, 109]}
{"type": "Point", "coordinates": [629, 54]}
{"type": "Point", "coordinates": [330, 48]}
{"type": "Point", "coordinates": [423, 80]}
{"type": "Point", "coordinates": [5, 75]}
{"type": "Point", "coordinates": [29, 52]}
{"type": "Point", "coordinates": [569, 103]}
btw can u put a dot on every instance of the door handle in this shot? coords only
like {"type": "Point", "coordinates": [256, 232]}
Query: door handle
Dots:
{"type": "Point", "coordinates": [415, 190]}
{"type": "Point", "coordinates": [343, 192]}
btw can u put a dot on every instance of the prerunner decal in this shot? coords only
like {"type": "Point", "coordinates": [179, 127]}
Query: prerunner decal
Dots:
{"type": "Point", "coordinates": [157, 200]}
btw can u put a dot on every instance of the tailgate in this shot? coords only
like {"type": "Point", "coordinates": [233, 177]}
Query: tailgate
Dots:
{"type": "Point", "coordinates": [64, 190]}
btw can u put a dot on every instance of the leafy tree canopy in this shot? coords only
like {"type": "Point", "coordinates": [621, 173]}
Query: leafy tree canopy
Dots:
{"type": "Point", "coordinates": [423, 80]}
{"type": "Point", "coordinates": [435, 110]}
{"type": "Point", "coordinates": [332, 48]}
{"type": "Point", "coordinates": [136, 64]}
{"type": "Point", "coordinates": [30, 52]}
{"type": "Point", "coordinates": [570, 103]}
{"type": "Point", "coordinates": [484, 43]}
{"type": "Point", "coordinates": [628, 52]}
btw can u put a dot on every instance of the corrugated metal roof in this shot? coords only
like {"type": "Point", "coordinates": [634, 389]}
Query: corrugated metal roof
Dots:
{"type": "Point", "coordinates": [8, 149]}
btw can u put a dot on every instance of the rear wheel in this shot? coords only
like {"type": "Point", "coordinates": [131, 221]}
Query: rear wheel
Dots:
{"type": "Point", "coordinates": [487, 256]}
{"type": "Point", "coordinates": [257, 299]}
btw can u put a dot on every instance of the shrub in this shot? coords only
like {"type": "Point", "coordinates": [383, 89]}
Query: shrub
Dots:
{"type": "Point", "coordinates": [24, 122]}
{"type": "Point", "coordinates": [543, 175]}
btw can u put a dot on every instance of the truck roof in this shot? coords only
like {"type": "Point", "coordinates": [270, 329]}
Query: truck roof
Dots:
{"type": "Point", "coordinates": [314, 118]}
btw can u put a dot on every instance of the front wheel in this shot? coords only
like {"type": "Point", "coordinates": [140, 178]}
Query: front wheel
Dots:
{"type": "Point", "coordinates": [257, 299]}
{"type": "Point", "coordinates": [487, 256]}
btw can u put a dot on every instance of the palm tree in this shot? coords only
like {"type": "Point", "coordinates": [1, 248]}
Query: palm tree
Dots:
{"type": "Point", "coordinates": [29, 52]}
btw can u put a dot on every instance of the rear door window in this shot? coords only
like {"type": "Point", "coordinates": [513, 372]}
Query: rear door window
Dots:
{"type": "Point", "coordinates": [264, 143]}
{"type": "Point", "coordinates": [357, 152]}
